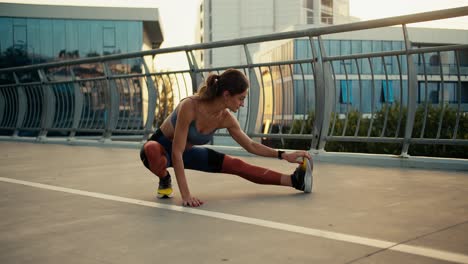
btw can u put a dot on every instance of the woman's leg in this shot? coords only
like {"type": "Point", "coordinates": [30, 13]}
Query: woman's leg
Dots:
{"type": "Point", "coordinates": [205, 159]}
{"type": "Point", "coordinates": [208, 160]}
{"type": "Point", "coordinates": [253, 173]}
{"type": "Point", "coordinates": [156, 158]}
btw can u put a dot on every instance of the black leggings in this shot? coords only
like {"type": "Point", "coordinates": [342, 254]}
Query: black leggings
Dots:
{"type": "Point", "coordinates": [195, 158]}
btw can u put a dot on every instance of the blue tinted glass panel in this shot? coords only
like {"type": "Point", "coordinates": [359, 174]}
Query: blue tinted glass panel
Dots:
{"type": "Point", "coordinates": [302, 50]}
{"type": "Point", "coordinates": [71, 38]}
{"type": "Point", "coordinates": [96, 37]}
{"type": "Point", "coordinates": [356, 48]}
{"type": "Point", "coordinates": [429, 93]}
{"type": "Point", "coordinates": [304, 99]}
{"type": "Point", "coordinates": [450, 92]}
{"type": "Point", "coordinates": [33, 41]}
{"type": "Point", "coordinates": [121, 29]}
{"type": "Point", "coordinates": [84, 38]}
{"type": "Point", "coordinates": [19, 35]}
{"type": "Point", "coordinates": [387, 91]}
{"type": "Point", "coordinates": [58, 39]}
{"type": "Point", "coordinates": [346, 92]}
{"type": "Point", "coordinates": [46, 42]}
{"type": "Point", "coordinates": [108, 37]}
{"type": "Point", "coordinates": [366, 48]}
{"type": "Point", "coordinates": [464, 93]}
{"type": "Point", "coordinates": [6, 31]}
{"type": "Point", "coordinates": [134, 33]}
{"type": "Point", "coordinates": [367, 94]}
{"type": "Point", "coordinates": [376, 45]}
{"type": "Point", "coordinates": [345, 47]}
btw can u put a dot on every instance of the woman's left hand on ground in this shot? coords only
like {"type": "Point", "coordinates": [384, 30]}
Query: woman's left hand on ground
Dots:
{"type": "Point", "coordinates": [192, 202]}
{"type": "Point", "coordinates": [297, 156]}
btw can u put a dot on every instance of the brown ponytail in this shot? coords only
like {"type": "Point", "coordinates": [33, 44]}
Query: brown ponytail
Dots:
{"type": "Point", "coordinates": [232, 80]}
{"type": "Point", "coordinates": [210, 89]}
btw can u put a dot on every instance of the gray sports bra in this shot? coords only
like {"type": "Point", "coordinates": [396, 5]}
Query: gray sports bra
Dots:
{"type": "Point", "coordinates": [193, 136]}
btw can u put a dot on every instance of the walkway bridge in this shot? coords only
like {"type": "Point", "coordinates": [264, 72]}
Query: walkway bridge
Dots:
{"type": "Point", "coordinates": [94, 202]}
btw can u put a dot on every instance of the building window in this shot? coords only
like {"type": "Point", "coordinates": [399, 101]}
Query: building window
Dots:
{"type": "Point", "coordinates": [464, 93]}
{"type": "Point", "coordinates": [386, 94]}
{"type": "Point", "coordinates": [429, 93]}
{"type": "Point", "coordinates": [108, 37]}
{"type": "Point", "coordinates": [434, 60]}
{"type": "Point", "coordinates": [434, 96]}
{"type": "Point", "coordinates": [327, 11]}
{"type": "Point", "coordinates": [346, 92]}
{"type": "Point", "coordinates": [19, 35]}
{"type": "Point", "coordinates": [309, 11]}
{"type": "Point", "coordinates": [436, 93]}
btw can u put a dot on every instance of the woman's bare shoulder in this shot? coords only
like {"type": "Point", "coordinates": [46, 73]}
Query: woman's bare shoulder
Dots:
{"type": "Point", "coordinates": [186, 108]}
{"type": "Point", "coordinates": [187, 103]}
{"type": "Point", "coordinates": [228, 119]}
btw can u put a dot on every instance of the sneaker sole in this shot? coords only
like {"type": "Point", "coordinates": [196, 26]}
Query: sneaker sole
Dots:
{"type": "Point", "coordinates": [308, 180]}
{"type": "Point", "coordinates": [165, 193]}
{"type": "Point", "coordinates": [165, 196]}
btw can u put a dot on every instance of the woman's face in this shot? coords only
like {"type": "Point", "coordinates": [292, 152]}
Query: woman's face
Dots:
{"type": "Point", "coordinates": [234, 102]}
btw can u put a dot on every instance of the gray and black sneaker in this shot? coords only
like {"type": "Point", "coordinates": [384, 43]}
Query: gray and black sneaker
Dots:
{"type": "Point", "coordinates": [165, 187]}
{"type": "Point", "coordinates": [302, 177]}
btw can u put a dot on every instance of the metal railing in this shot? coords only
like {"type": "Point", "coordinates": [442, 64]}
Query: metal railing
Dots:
{"type": "Point", "coordinates": [305, 98]}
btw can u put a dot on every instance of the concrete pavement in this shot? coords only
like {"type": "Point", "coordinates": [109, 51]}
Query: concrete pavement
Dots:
{"type": "Point", "coordinates": [97, 205]}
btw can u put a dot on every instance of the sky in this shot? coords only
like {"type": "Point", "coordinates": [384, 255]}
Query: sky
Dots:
{"type": "Point", "coordinates": [374, 9]}
{"type": "Point", "coordinates": [178, 17]}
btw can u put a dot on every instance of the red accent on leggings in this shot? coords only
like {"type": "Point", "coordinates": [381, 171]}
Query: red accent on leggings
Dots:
{"type": "Point", "coordinates": [250, 172]}
{"type": "Point", "coordinates": [156, 155]}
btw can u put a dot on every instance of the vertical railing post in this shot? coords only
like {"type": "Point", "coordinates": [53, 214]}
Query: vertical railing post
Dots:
{"type": "Point", "coordinates": [328, 93]}
{"type": "Point", "coordinates": [48, 106]}
{"type": "Point", "coordinates": [112, 104]}
{"type": "Point", "coordinates": [22, 105]}
{"type": "Point", "coordinates": [153, 95]}
{"type": "Point", "coordinates": [2, 107]}
{"type": "Point", "coordinates": [78, 106]}
{"type": "Point", "coordinates": [254, 96]}
{"type": "Point", "coordinates": [193, 70]}
{"type": "Point", "coordinates": [317, 68]}
{"type": "Point", "coordinates": [412, 95]}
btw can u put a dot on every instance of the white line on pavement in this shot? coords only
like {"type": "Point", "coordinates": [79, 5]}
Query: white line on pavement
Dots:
{"type": "Point", "coordinates": [421, 251]}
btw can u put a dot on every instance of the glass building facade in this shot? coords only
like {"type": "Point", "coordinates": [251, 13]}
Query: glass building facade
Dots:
{"type": "Point", "coordinates": [291, 88]}
{"type": "Point", "coordinates": [35, 34]}
{"type": "Point", "coordinates": [28, 41]}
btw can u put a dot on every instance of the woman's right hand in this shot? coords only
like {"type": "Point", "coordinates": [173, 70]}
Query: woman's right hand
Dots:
{"type": "Point", "coordinates": [191, 202]}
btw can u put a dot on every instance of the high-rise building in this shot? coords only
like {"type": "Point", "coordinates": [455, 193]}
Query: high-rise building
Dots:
{"type": "Point", "coordinates": [224, 19]}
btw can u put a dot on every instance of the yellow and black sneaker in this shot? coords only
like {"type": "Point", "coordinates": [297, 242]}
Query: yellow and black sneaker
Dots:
{"type": "Point", "coordinates": [302, 177]}
{"type": "Point", "coordinates": [165, 187]}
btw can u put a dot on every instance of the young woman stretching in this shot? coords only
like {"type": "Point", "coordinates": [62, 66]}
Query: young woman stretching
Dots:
{"type": "Point", "coordinates": [194, 122]}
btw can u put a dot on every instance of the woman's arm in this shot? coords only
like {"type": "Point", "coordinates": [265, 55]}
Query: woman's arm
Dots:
{"type": "Point", "coordinates": [257, 148]}
{"type": "Point", "coordinates": [185, 115]}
